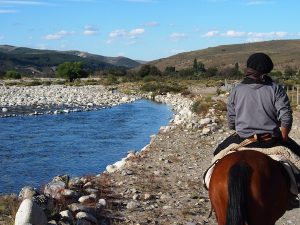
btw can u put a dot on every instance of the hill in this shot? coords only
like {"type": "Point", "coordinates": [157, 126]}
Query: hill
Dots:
{"type": "Point", "coordinates": [44, 62]}
{"type": "Point", "coordinates": [283, 53]}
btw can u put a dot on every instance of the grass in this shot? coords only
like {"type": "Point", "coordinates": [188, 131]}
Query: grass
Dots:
{"type": "Point", "coordinates": [8, 209]}
{"type": "Point", "coordinates": [202, 105]}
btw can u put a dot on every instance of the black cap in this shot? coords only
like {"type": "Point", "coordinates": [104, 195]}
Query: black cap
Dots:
{"type": "Point", "coordinates": [260, 62]}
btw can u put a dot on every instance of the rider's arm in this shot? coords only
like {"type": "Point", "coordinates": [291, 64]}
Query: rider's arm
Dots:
{"type": "Point", "coordinates": [231, 110]}
{"type": "Point", "coordinates": [285, 133]}
{"type": "Point", "coordinates": [284, 112]}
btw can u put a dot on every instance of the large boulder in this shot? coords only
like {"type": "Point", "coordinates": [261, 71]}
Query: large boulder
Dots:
{"type": "Point", "coordinates": [54, 189]}
{"type": "Point", "coordinates": [30, 213]}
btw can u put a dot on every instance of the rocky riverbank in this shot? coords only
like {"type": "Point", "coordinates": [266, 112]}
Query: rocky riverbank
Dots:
{"type": "Point", "coordinates": [54, 99]}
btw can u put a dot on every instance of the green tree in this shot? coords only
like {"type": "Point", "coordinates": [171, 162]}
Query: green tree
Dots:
{"type": "Point", "coordinates": [198, 66]}
{"type": "Point", "coordinates": [12, 74]}
{"type": "Point", "coordinates": [71, 71]}
{"type": "Point", "coordinates": [289, 72]}
{"type": "Point", "coordinates": [195, 66]}
{"type": "Point", "coordinates": [147, 70]}
{"type": "Point", "coordinates": [144, 71]}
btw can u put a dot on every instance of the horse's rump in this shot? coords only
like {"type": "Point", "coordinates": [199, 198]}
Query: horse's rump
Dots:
{"type": "Point", "coordinates": [258, 188]}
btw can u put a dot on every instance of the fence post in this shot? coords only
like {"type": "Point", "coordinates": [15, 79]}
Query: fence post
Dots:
{"type": "Point", "coordinates": [297, 95]}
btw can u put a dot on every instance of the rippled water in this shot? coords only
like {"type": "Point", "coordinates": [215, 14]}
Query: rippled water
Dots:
{"type": "Point", "coordinates": [35, 149]}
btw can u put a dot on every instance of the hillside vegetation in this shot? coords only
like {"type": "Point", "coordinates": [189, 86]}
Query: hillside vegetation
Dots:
{"type": "Point", "coordinates": [41, 63]}
{"type": "Point", "coordinates": [284, 53]}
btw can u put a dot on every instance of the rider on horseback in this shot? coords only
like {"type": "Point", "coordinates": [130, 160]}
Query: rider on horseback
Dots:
{"type": "Point", "coordinates": [258, 108]}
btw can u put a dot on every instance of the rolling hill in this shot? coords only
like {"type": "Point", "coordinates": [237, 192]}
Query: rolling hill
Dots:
{"type": "Point", "coordinates": [283, 53]}
{"type": "Point", "coordinates": [43, 62]}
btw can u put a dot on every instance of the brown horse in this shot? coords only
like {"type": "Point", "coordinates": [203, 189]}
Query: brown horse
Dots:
{"type": "Point", "coordinates": [248, 187]}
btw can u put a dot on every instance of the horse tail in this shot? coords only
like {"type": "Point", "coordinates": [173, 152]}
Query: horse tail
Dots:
{"type": "Point", "coordinates": [238, 186]}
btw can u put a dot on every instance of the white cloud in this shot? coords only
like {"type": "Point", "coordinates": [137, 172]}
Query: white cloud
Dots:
{"type": "Point", "coordinates": [121, 33]}
{"type": "Point", "coordinates": [277, 34]}
{"type": "Point", "coordinates": [139, 1]}
{"type": "Point", "coordinates": [59, 35]}
{"type": "Point", "coordinates": [25, 2]}
{"type": "Point", "coordinates": [233, 33]}
{"type": "Point", "coordinates": [89, 30]}
{"type": "Point", "coordinates": [152, 24]}
{"type": "Point", "coordinates": [7, 11]}
{"type": "Point", "coordinates": [117, 33]}
{"type": "Point", "coordinates": [211, 33]}
{"type": "Point", "coordinates": [178, 36]}
{"type": "Point", "coordinates": [133, 33]}
{"type": "Point", "coordinates": [257, 2]}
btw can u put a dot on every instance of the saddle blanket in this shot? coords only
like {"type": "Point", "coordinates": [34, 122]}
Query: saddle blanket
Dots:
{"type": "Point", "coordinates": [290, 161]}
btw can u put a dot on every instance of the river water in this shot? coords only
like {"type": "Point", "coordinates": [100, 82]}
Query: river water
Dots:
{"type": "Point", "coordinates": [34, 149]}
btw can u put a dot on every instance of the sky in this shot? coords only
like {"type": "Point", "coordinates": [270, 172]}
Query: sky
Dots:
{"type": "Point", "coordinates": [144, 29]}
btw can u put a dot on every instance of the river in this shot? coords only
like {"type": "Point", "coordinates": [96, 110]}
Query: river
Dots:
{"type": "Point", "coordinates": [34, 149]}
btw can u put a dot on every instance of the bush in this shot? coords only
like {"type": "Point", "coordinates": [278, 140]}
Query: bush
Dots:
{"type": "Point", "coordinates": [201, 106]}
{"type": "Point", "coordinates": [162, 88]}
{"type": "Point", "coordinates": [11, 74]}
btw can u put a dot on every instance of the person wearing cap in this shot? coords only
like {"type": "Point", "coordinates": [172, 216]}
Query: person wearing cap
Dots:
{"type": "Point", "coordinates": [258, 107]}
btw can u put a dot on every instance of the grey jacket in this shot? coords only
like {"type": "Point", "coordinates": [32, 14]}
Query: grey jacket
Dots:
{"type": "Point", "coordinates": [258, 108]}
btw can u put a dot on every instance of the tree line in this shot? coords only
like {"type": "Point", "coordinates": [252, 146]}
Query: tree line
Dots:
{"type": "Point", "coordinates": [75, 70]}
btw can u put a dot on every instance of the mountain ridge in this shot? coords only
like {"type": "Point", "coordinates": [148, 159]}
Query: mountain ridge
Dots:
{"type": "Point", "coordinates": [43, 62]}
{"type": "Point", "coordinates": [283, 53]}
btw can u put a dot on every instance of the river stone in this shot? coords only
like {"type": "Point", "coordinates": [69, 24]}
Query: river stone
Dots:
{"type": "Point", "coordinates": [76, 207]}
{"type": "Point", "coordinates": [69, 193]}
{"type": "Point", "coordinates": [66, 214]}
{"type": "Point", "coordinates": [206, 130]}
{"type": "Point", "coordinates": [30, 213]}
{"type": "Point", "coordinates": [87, 198]}
{"type": "Point", "coordinates": [205, 121]}
{"type": "Point", "coordinates": [102, 202]}
{"type": "Point", "coordinates": [54, 189]}
{"type": "Point", "coordinates": [44, 202]}
{"type": "Point", "coordinates": [4, 110]}
{"type": "Point", "coordinates": [27, 192]}
{"type": "Point", "coordinates": [132, 205]}
{"type": "Point", "coordinates": [64, 178]}
{"type": "Point", "coordinates": [86, 216]}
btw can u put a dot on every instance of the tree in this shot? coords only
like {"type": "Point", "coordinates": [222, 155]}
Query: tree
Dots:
{"type": "Point", "coordinates": [144, 71]}
{"type": "Point", "coordinates": [170, 70]}
{"type": "Point", "coordinates": [147, 70]}
{"type": "Point", "coordinates": [71, 71]}
{"type": "Point", "coordinates": [237, 72]}
{"type": "Point", "coordinates": [289, 72]}
{"type": "Point", "coordinates": [195, 66]}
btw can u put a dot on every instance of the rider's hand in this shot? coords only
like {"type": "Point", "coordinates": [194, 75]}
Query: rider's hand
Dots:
{"type": "Point", "coordinates": [284, 133]}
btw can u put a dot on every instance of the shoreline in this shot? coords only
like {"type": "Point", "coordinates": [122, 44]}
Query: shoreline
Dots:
{"type": "Point", "coordinates": [56, 99]}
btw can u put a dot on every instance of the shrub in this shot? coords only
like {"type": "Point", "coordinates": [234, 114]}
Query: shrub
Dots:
{"type": "Point", "coordinates": [11, 74]}
{"type": "Point", "coordinates": [201, 106]}
{"type": "Point", "coordinates": [162, 88]}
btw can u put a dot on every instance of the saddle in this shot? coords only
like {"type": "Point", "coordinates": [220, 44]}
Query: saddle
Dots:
{"type": "Point", "coordinates": [289, 160]}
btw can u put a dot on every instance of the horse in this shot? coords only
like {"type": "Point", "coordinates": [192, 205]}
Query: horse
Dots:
{"type": "Point", "coordinates": [248, 187]}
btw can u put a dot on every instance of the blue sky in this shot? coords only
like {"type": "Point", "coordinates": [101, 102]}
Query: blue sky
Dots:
{"type": "Point", "coordinates": [145, 29]}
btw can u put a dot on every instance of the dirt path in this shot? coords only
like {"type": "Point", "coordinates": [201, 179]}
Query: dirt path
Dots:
{"type": "Point", "coordinates": [163, 184]}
